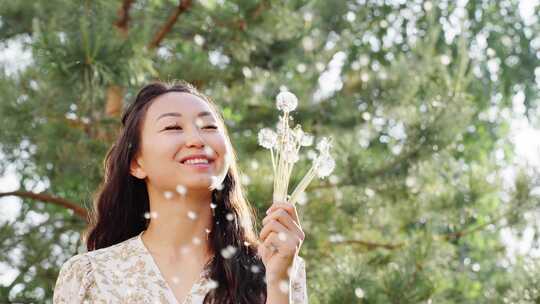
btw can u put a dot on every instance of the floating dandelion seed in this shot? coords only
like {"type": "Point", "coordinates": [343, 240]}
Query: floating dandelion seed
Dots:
{"type": "Point", "coordinates": [282, 236]}
{"type": "Point", "coordinates": [228, 252]}
{"type": "Point", "coordinates": [192, 215]}
{"type": "Point", "coordinates": [255, 269]}
{"type": "Point", "coordinates": [215, 183]}
{"type": "Point", "coordinates": [212, 284]}
{"type": "Point", "coordinates": [175, 280]}
{"type": "Point", "coordinates": [229, 217]}
{"type": "Point", "coordinates": [369, 192]}
{"type": "Point", "coordinates": [185, 250]}
{"type": "Point", "coordinates": [153, 214]}
{"type": "Point", "coordinates": [208, 151]}
{"type": "Point", "coordinates": [213, 206]}
{"type": "Point", "coordinates": [359, 292]}
{"type": "Point", "coordinates": [302, 198]}
{"type": "Point", "coordinates": [284, 286]}
{"type": "Point", "coordinates": [286, 101]}
{"type": "Point", "coordinates": [181, 189]}
{"type": "Point", "coordinates": [147, 215]}
{"type": "Point", "coordinates": [246, 243]}
{"type": "Point", "coordinates": [199, 122]}
{"type": "Point", "coordinates": [196, 241]}
{"type": "Point", "coordinates": [168, 194]}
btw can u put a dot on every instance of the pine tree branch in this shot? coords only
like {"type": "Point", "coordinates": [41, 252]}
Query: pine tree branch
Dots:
{"type": "Point", "coordinates": [466, 231]}
{"type": "Point", "coordinates": [183, 6]}
{"type": "Point", "coordinates": [369, 244]}
{"type": "Point", "coordinates": [123, 17]}
{"type": "Point", "coordinates": [79, 211]}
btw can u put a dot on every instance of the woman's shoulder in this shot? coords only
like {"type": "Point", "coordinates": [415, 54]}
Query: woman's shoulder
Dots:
{"type": "Point", "coordinates": [119, 251]}
{"type": "Point", "coordinates": [84, 262]}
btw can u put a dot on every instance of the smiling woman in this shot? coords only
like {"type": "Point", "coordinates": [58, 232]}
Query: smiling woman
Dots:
{"type": "Point", "coordinates": [171, 223]}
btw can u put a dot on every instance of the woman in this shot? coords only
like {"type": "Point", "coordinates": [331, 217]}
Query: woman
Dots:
{"type": "Point", "coordinates": [171, 222]}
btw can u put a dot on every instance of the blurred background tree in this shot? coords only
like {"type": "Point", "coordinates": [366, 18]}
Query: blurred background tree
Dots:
{"type": "Point", "coordinates": [419, 96]}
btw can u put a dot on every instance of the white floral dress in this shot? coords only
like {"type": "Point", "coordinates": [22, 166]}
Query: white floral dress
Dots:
{"type": "Point", "coordinates": [126, 273]}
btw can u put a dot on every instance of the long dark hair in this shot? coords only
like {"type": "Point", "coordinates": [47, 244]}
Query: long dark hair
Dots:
{"type": "Point", "coordinates": [122, 200]}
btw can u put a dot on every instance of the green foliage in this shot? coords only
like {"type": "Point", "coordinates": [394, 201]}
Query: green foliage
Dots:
{"type": "Point", "coordinates": [417, 203]}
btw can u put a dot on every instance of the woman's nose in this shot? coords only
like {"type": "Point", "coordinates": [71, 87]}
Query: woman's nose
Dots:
{"type": "Point", "coordinates": [193, 138]}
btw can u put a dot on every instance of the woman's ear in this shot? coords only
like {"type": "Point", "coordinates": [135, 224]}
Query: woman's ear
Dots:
{"type": "Point", "coordinates": [136, 168]}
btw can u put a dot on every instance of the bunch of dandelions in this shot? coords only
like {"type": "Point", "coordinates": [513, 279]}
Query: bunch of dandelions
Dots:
{"type": "Point", "coordinates": [284, 146]}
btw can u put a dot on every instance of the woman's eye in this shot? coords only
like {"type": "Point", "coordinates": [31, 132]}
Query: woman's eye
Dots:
{"type": "Point", "coordinates": [175, 127]}
{"type": "Point", "coordinates": [210, 127]}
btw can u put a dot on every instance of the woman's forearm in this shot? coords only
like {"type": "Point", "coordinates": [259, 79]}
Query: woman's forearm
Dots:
{"type": "Point", "coordinates": [275, 295]}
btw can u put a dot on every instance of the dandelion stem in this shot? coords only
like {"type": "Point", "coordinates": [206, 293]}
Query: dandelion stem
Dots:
{"type": "Point", "coordinates": [303, 184]}
{"type": "Point", "coordinates": [273, 161]}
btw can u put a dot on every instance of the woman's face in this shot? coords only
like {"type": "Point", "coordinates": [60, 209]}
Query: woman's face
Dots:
{"type": "Point", "coordinates": [179, 125]}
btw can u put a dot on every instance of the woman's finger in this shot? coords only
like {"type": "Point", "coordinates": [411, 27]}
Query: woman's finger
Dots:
{"type": "Point", "coordinates": [273, 226]}
{"type": "Point", "coordinates": [287, 207]}
{"type": "Point", "coordinates": [285, 219]}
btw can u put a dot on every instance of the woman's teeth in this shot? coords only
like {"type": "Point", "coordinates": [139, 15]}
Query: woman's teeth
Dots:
{"type": "Point", "coordinates": [196, 161]}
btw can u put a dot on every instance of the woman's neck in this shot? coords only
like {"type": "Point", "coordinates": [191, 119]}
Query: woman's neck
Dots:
{"type": "Point", "coordinates": [179, 225]}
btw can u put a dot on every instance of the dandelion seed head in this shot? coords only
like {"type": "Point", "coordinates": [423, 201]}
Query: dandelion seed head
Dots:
{"type": "Point", "coordinates": [325, 166]}
{"type": "Point", "coordinates": [267, 138]}
{"type": "Point", "coordinates": [286, 101]}
{"type": "Point", "coordinates": [290, 155]}
{"type": "Point", "coordinates": [324, 145]}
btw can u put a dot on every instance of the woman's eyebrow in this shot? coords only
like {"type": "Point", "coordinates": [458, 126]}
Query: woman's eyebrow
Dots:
{"type": "Point", "coordinates": [176, 114]}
